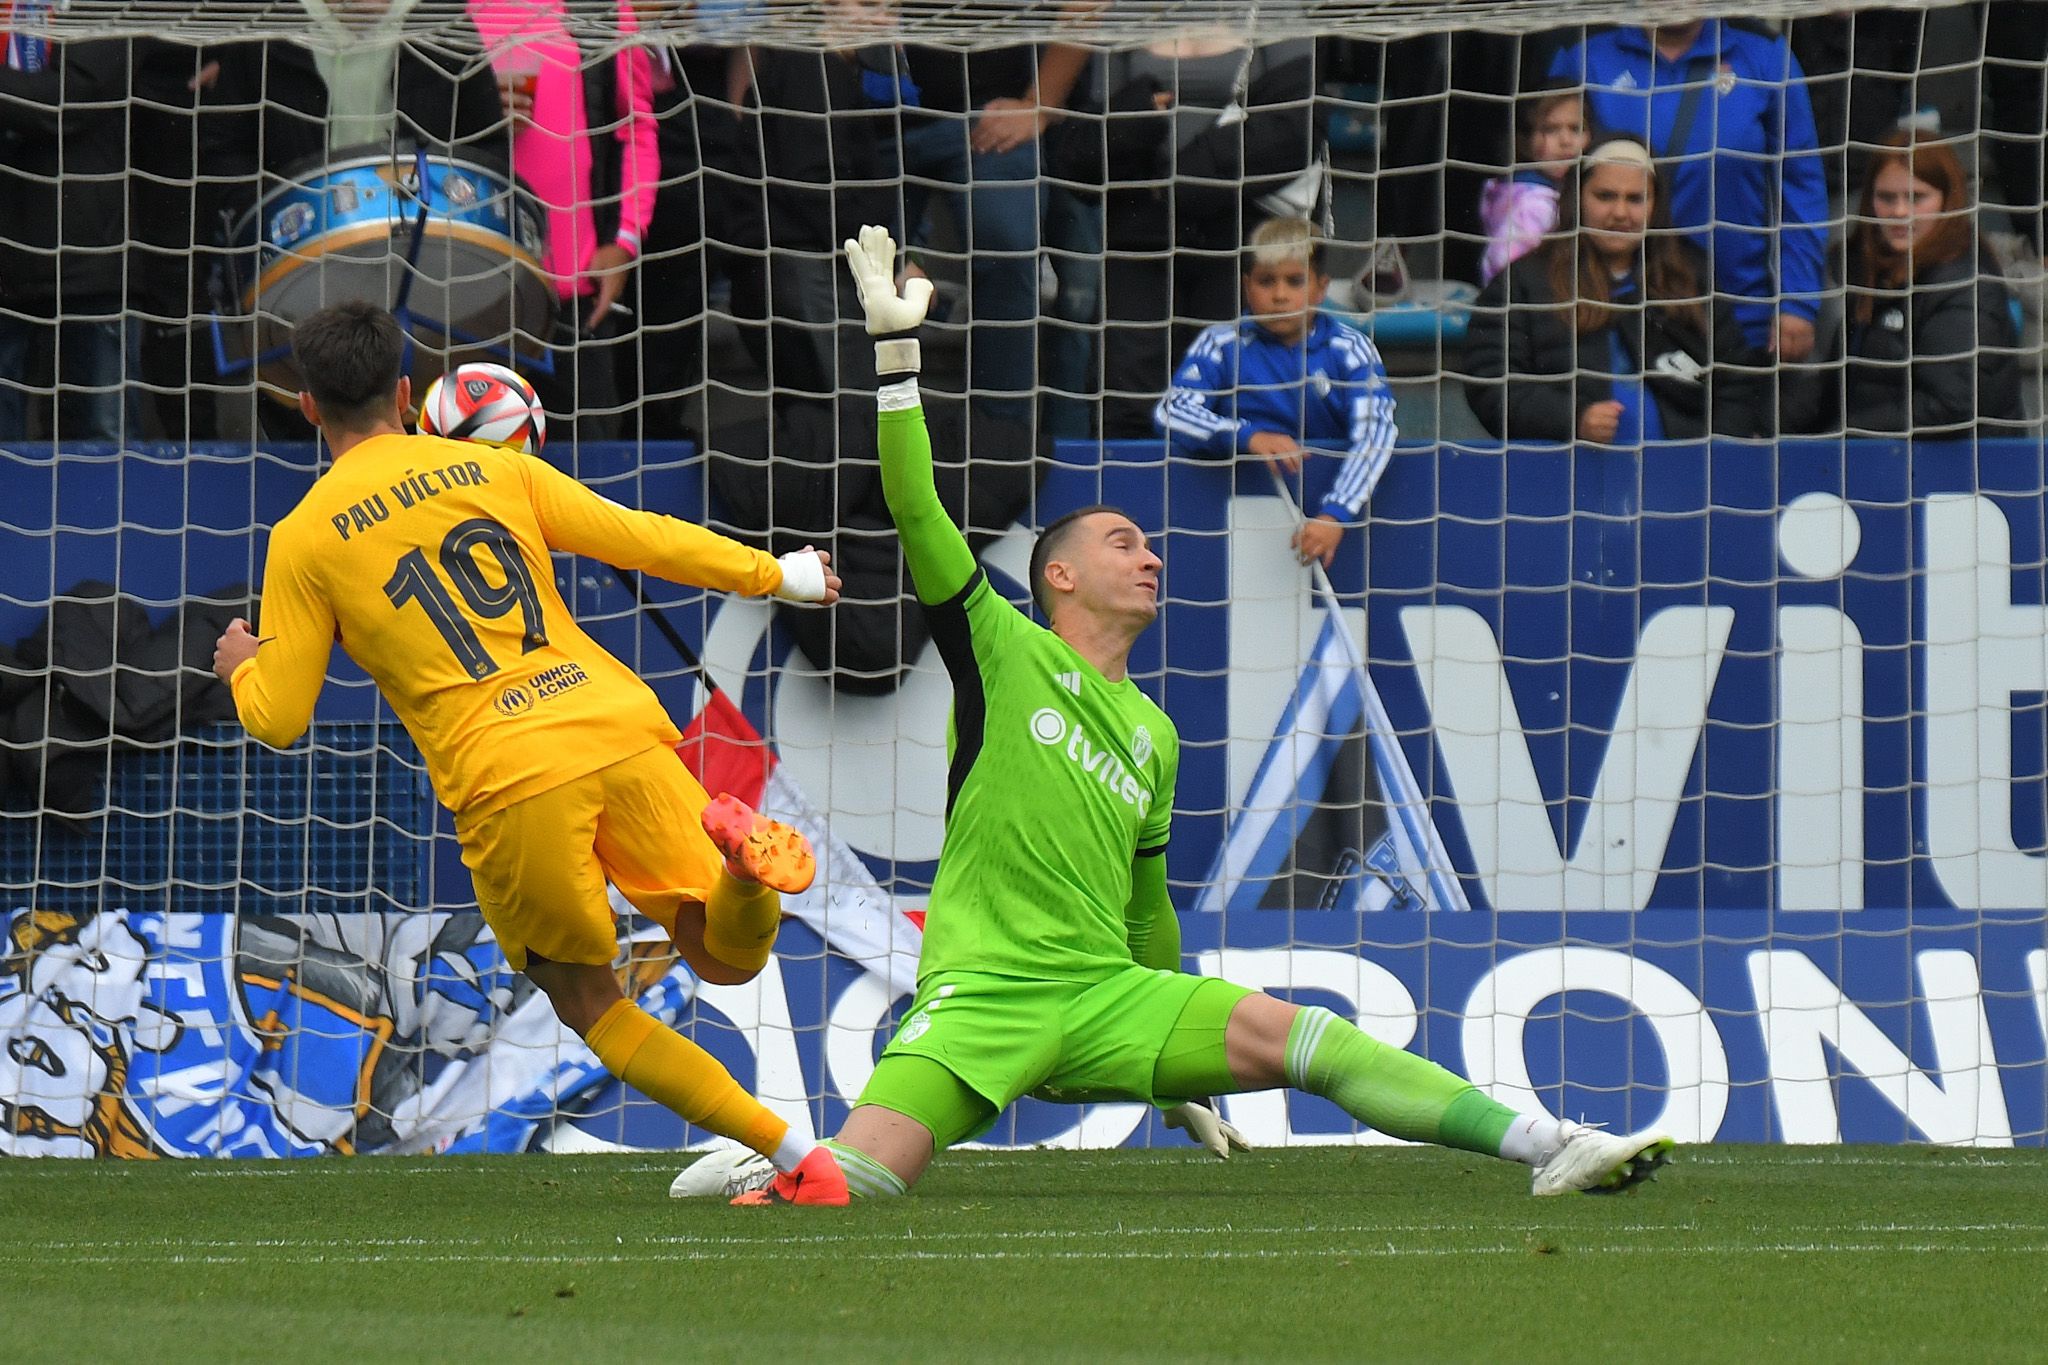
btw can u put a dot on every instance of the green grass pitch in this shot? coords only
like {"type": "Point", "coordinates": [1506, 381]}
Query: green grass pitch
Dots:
{"type": "Point", "coordinates": [1734, 1253]}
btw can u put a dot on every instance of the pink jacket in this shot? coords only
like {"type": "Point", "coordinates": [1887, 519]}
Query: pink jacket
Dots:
{"type": "Point", "coordinates": [552, 153]}
{"type": "Point", "coordinates": [1517, 211]}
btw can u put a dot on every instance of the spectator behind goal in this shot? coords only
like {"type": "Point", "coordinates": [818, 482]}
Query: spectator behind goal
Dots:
{"type": "Point", "coordinates": [584, 140]}
{"type": "Point", "coordinates": [1611, 332]}
{"type": "Point", "coordinates": [63, 234]}
{"type": "Point", "coordinates": [1930, 335]}
{"type": "Point", "coordinates": [1725, 111]}
{"type": "Point", "coordinates": [1285, 378]}
{"type": "Point", "coordinates": [1520, 208]}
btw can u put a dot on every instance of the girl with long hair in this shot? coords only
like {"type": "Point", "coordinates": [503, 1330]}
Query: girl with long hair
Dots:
{"type": "Point", "coordinates": [1930, 336]}
{"type": "Point", "coordinates": [1610, 331]}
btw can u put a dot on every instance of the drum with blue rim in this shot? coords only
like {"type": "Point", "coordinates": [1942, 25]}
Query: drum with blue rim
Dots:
{"type": "Point", "coordinates": [451, 246]}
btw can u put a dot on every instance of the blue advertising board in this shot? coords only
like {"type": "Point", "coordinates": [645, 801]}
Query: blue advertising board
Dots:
{"type": "Point", "coordinates": [1737, 752]}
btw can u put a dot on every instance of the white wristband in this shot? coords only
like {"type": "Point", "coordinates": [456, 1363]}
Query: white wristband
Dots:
{"type": "Point", "coordinates": [900, 355]}
{"type": "Point", "coordinates": [803, 577]}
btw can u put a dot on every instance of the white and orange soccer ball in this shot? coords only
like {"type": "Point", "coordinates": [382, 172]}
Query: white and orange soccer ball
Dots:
{"type": "Point", "coordinates": [487, 403]}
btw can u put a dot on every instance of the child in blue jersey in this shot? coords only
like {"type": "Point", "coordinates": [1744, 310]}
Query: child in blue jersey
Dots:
{"type": "Point", "coordinates": [1286, 378]}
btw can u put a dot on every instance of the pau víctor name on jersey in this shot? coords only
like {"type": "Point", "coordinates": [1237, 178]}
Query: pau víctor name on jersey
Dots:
{"type": "Point", "coordinates": [430, 560]}
{"type": "Point", "coordinates": [1059, 779]}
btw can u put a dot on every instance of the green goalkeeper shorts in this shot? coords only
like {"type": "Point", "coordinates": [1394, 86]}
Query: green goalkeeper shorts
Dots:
{"type": "Point", "coordinates": [1073, 1042]}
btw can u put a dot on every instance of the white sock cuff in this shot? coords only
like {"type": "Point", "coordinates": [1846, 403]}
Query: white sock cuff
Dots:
{"type": "Point", "coordinates": [865, 1176]}
{"type": "Point", "coordinates": [789, 1154]}
{"type": "Point", "coordinates": [1531, 1139]}
{"type": "Point", "coordinates": [1303, 1040]}
{"type": "Point", "coordinates": [899, 396]}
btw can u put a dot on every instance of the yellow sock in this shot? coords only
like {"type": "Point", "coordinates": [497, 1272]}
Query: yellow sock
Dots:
{"type": "Point", "coordinates": [667, 1067]}
{"type": "Point", "coordinates": [740, 920]}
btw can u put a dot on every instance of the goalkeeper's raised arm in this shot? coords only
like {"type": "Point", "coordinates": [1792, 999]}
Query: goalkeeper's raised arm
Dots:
{"type": "Point", "coordinates": [941, 564]}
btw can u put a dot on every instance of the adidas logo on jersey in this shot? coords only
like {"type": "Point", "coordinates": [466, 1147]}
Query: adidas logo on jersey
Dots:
{"type": "Point", "coordinates": [1070, 681]}
{"type": "Point", "coordinates": [1052, 729]}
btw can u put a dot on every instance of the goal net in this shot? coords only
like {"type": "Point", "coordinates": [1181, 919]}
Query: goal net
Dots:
{"type": "Point", "coordinates": [1605, 613]}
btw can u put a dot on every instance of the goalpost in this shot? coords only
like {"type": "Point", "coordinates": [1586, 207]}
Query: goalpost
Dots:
{"type": "Point", "coordinates": [1700, 783]}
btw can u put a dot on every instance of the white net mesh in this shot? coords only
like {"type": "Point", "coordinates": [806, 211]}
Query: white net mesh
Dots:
{"type": "Point", "coordinates": [1694, 773]}
{"type": "Point", "coordinates": [805, 24]}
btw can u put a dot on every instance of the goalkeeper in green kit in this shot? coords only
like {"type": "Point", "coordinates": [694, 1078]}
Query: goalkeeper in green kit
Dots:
{"type": "Point", "coordinates": [1051, 960]}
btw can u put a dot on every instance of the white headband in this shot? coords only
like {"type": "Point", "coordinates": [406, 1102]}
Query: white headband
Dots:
{"type": "Point", "coordinates": [1620, 151]}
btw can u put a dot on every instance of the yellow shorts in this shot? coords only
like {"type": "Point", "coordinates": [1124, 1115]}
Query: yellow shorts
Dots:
{"type": "Point", "coordinates": [540, 865]}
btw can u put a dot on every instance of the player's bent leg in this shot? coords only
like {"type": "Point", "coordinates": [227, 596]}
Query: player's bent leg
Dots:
{"type": "Point", "coordinates": [760, 849]}
{"type": "Point", "coordinates": [686, 923]}
{"type": "Point", "coordinates": [581, 994]}
{"type": "Point", "coordinates": [670, 1069]}
{"type": "Point", "coordinates": [706, 871]}
{"type": "Point", "coordinates": [741, 919]}
{"type": "Point", "coordinates": [763, 859]}
{"type": "Point", "coordinates": [871, 1149]}
{"type": "Point", "coordinates": [911, 1108]}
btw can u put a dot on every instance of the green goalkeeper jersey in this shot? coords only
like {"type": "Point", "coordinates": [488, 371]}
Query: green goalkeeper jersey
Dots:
{"type": "Point", "coordinates": [1058, 778]}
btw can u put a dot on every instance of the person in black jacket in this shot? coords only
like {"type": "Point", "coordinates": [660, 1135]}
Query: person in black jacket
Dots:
{"type": "Point", "coordinates": [1203, 138]}
{"type": "Point", "coordinates": [63, 228]}
{"type": "Point", "coordinates": [1610, 331]}
{"type": "Point", "coordinates": [823, 124]}
{"type": "Point", "coordinates": [1930, 339]}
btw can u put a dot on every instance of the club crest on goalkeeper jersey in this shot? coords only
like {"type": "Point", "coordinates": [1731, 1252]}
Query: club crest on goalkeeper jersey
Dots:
{"type": "Point", "coordinates": [428, 560]}
{"type": "Point", "coordinates": [1058, 779]}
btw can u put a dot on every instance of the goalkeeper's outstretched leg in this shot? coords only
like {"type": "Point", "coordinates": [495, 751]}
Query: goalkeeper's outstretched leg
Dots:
{"type": "Point", "coordinates": [1223, 1039]}
{"type": "Point", "coordinates": [1268, 1043]}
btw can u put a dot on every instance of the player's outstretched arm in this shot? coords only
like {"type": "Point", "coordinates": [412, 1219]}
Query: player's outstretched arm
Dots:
{"type": "Point", "coordinates": [575, 519]}
{"type": "Point", "coordinates": [941, 564]}
{"type": "Point", "coordinates": [275, 677]}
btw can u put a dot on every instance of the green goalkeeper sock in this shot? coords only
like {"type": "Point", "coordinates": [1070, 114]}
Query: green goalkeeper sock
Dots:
{"type": "Point", "coordinates": [866, 1178]}
{"type": "Point", "coordinates": [1392, 1090]}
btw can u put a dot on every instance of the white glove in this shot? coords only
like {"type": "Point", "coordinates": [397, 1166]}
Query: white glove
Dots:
{"type": "Point", "coordinates": [1207, 1127]}
{"type": "Point", "coordinates": [803, 576]}
{"type": "Point", "coordinates": [873, 259]}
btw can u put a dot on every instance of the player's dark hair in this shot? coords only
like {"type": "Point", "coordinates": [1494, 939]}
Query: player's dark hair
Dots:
{"type": "Point", "coordinates": [349, 357]}
{"type": "Point", "coordinates": [1049, 542]}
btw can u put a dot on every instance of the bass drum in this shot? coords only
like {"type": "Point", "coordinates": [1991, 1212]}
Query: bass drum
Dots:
{"type": "Point", "coordinates": [465, 279]}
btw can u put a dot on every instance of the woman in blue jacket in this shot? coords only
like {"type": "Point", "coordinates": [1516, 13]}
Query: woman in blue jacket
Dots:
{"type": "Point", "coordinates": [1725, 109]}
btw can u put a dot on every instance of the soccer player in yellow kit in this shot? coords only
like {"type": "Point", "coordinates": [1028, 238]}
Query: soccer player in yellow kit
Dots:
{"type": "Point", "coordinates": [428, 560]}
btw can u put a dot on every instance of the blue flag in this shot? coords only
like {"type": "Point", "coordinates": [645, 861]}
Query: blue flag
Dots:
{"type": "Point", "coordinates": [1334, 818]}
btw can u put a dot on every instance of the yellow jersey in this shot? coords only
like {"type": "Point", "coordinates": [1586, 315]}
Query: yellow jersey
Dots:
{"type": "Point", "coordinates": [428, 560]}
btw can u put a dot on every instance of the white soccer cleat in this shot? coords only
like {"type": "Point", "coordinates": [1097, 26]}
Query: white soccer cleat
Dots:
{"type": "Point", "coordinates": [1600, 1163]}
{"type": "Point", "coordinates": [723, 1173]}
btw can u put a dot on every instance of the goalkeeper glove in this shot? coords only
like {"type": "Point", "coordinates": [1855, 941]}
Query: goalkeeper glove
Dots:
{"type": "Point", "coordinates": [1202, 1123]}
{"type": "Point", "coordinates": [892, 318]}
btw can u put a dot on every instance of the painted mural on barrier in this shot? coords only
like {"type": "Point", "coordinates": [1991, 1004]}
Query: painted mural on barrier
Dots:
{"type": "Point", "coordinates": [1739, 755]}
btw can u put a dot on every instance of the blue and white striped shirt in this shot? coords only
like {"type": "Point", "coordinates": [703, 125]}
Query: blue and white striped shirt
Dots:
{"type": "Point", "coordinates": [1237, 380]}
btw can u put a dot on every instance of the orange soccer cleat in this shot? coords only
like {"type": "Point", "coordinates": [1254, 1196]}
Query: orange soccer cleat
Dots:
{"type": "Point", "coordinates": [817, 1180]}
{"type": "Point", "coordinates": [758, 849]}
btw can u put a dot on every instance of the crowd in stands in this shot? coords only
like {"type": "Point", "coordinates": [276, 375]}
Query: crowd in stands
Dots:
{"type": "Point", "coordinates": [1703, 227]}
